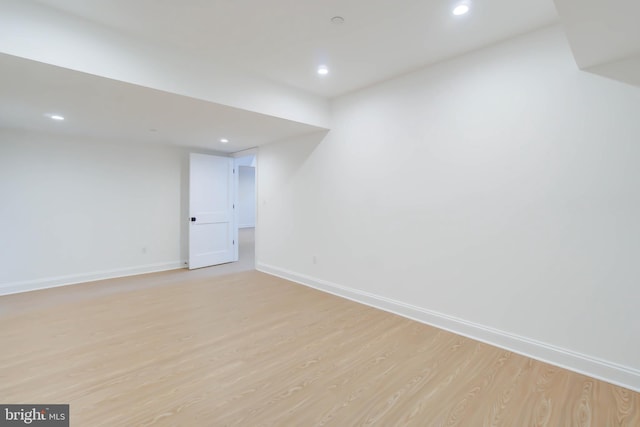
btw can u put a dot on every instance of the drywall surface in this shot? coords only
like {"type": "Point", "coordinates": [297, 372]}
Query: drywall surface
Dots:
{"type": "Point", "coordinates": [74, 210]}
{"type": "Point", "coordinates": [498, 189]}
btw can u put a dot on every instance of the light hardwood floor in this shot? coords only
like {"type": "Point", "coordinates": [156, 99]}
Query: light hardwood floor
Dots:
{"type": "Point", "coordinates": [184, 349]}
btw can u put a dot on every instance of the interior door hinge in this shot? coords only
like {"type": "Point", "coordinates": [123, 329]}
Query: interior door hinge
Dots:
{"type": "Point", "coordinates": [233, 205]}
{"type": "Point", "coordinates": [234, 242]}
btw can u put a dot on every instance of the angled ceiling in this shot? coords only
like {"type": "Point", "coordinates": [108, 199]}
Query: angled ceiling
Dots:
{"type": "Point", "coordinates": [604, 36]}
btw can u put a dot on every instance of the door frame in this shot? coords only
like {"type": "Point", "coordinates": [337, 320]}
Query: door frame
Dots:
{"type": "Point", "coordinates": [236, 164]}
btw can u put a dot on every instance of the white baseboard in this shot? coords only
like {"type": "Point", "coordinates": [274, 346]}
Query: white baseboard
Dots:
{"type": "Point", "coordinates": [248, 225]}
{"type": "Point", "coordinates": [584, 364]}
{"type": "Point", "coordinates": [72, 279]}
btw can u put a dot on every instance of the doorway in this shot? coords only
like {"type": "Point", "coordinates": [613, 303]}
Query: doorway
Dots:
{"type": "Point", "coordinates": [245, 164]}
{"type": "Point", "coordinates": [244, 199]}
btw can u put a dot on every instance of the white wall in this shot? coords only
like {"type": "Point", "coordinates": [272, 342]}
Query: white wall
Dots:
{"type": "Point", "coordinates": [495, 194]}
{"type": "Point", "coordinates": [72, 210]}
{"type": "Point", "coordinates": [246, 196]}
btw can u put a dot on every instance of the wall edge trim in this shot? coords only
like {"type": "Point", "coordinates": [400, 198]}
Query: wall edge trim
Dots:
{"type": "Point", "coordinates": [594, 367]}
{"type": "Point", "coordinates": [73, 279]}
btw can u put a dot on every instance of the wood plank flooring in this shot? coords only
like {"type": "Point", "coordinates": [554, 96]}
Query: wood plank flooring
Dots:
{"type": "Point", "coordinates": [183, 349]}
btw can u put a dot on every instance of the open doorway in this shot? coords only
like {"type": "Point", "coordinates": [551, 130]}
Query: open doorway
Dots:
{"type": "Point", "coordinates": [244, 243]}
{"type": "Point", "coordinates": [245, 164]}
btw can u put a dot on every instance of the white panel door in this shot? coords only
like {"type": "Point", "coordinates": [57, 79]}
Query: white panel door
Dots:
{"type": "Point", "coordinates": [212, 231]}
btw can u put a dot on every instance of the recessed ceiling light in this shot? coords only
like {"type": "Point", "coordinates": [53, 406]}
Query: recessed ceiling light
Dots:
{"type": "Point", "coordinates": [55, 116]}
{"type": "Point", "coordinates": [224, 140]}
{"type": "Point", "coordinates": [461, 9]}
{"type": "Point", "coordinates": [323, 70]}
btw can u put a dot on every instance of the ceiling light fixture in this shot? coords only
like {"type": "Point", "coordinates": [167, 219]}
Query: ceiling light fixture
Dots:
{"type": "Point", "coordinates": [224, 140]}
{"type": "Point", "coordinates": [337, 20]}
{"type": "Point", "coordinates": [323, 70]}
{"type": "Point", "coordinates": [461, 9]}
{"type": "Point", "coordinates": [55, 116]}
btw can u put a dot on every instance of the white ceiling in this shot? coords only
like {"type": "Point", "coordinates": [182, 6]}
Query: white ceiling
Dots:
{"type": "Point", "coordinates": [285, 40]}
{"type": "Point", "coordinates": [282, 41]}
{"type": "Point", "coordinates": [111, 110]}
{"type": "Point", "coordinates": [279, 41]}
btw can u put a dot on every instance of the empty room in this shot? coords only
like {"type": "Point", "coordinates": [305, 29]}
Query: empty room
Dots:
{"type": "Point", "coordinates": [305, 213]}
